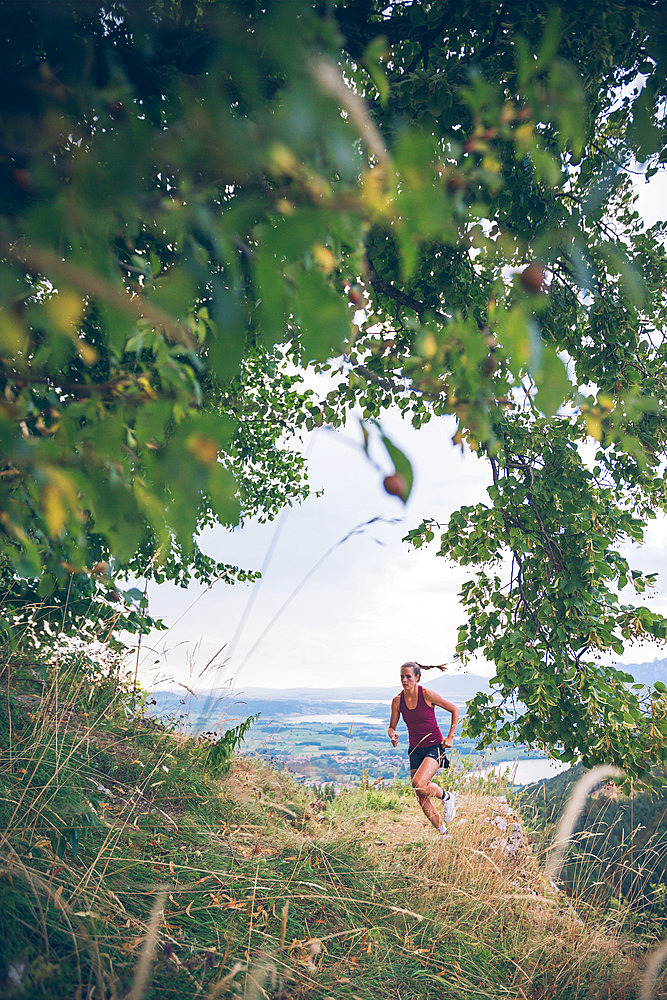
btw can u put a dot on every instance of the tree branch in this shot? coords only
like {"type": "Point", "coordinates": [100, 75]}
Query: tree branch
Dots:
{"type": "Point", "coordinates": [83, 389]}
{"type": "Point", "coordinates": [384, 381]}
{"type": "Point", "coordinates": [51, 265]}
{"type": "Point", "coordinates": [397, 295]}
{"type": "Point", "coordinates": [519, 564]}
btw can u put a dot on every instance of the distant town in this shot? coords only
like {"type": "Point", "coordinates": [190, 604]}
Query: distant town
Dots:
{"type": "Point", "coordinates": [338, 735]}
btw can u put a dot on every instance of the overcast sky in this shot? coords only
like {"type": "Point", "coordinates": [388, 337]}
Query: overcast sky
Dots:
{"type": "Point", "coordinates": [374, 602]}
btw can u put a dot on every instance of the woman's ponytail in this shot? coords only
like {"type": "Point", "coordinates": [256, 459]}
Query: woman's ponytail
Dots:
{"type": "Point", "coordinates": [417, 668]}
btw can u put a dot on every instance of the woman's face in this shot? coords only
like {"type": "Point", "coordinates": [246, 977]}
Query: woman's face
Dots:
{"type": "Point", "coordinates": [408, 678]}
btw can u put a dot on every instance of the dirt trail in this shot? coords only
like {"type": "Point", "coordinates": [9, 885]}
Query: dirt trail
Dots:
{"type": "Point", "coordinates": [483, 888]}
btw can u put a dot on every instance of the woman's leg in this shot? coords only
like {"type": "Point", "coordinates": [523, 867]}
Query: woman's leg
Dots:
{"type": "Point", "coordinates": [425, 788]}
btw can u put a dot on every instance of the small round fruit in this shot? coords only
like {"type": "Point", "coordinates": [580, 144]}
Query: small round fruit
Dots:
{"type": "Point", "coordinates": [23, 178]}
{"type": "Point", "coordinates": [355, 296]}
{"type": "Point", "coordinates": [100, 568]}
{"type": "Point", "coordinates": [396, 485]}
{"type": "Point", "coordinates": [532, 278]}
{"type": "Point", "coordinates": [490, 364]}
{"type": "Point", "coordinates": [456, 183]}
{"type": "Point", "coordinates": [116, 110]}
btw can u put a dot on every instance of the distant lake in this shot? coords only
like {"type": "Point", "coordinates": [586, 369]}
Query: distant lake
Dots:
{"type": "Point", "coordinates": [523, 772]}
{"type": "Point", "coordinates": [295, 720]}
{"type": "Point", "coordinates": [367, 701]}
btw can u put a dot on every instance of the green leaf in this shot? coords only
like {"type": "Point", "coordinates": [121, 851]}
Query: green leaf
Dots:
{"type": "Point", "coordinates": [273, 299]}
{"type": "Point", "coordinates": [323, 316]}
{"type": "Point", "coordinates": [226, 336]}
{"type": "Point", "coordinates": [175, 292]}
{"type": "Point", "coordinates": [46, 586]}
{"type": "Point", "coordinates": [375, 51]}
{"type": "Point", "coordinates": [402, 464]}
{"type": "Point", "coordinates": [517, 335]}
{"type": "Point", "coordinates": [134, 594]}
{"type": "Point", "coordinates": [553, 384]}
{"type": "Point", "coordinates": [550, 40]}
{"type": "Point", "coordinates": [223, 490]}
{"type": "Point", "coordinates": [73, 838]}
{"type": "Point", "coordinates": [644, 133]}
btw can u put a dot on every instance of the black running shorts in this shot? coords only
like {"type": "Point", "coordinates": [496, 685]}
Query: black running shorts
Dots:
{"type": "Point", "coordinates": [419, 754]}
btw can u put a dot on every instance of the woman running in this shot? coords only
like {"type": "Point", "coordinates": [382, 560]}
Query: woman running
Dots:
{"type": "Point", "coordinates": [426, 750]}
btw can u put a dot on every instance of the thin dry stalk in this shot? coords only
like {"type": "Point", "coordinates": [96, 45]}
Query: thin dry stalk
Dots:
{"type": "Point", "coordinates": [328, 77]}
{"type": "Point", "coordinates": [649, 979]}
{"type": "Point", "coordinates": [572, 812]}
{"type": "Point", "coordinates": [258, 975]}
{"type": "Point", "coordinates": [143, 969]}
{"type": "Point", "coordinates": [283, 925]}
{"type": "Point", "coordinates": [115, 835]}
{"type": "Point", "coordinates": [43, 742]}
{"type": "Point", "coordinates": [218, 987]}
{"type": "Point", "coordinates": [252, 917]}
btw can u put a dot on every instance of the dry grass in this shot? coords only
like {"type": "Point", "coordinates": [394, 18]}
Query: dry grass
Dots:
{"type": "Point", "coordinates": [488, 884]}
{"type": "Point", "coordinates": [246, 887]}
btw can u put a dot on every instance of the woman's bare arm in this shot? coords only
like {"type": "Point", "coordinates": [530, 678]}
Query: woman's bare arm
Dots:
{"type": "Point", "coordinates": [433, 698]}
{"type": "Point", "coordinates": [393, 720]}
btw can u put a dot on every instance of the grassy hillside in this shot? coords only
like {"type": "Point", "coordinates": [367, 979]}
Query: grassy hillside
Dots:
{"type": "Point", "coordinates": [135, 863]}
{"type": "Point", "coordinates": [337, 750]}
{"type": "Point", "coordinates": [618, 855]}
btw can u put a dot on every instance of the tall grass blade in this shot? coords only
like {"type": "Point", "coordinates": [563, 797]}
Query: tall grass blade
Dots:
{"type": "Point", "coordinates": [572, 812]}
{"type": "Point", "coordinates": [656, 959]}
{"type": "Point", "coordinates": [143, 969]}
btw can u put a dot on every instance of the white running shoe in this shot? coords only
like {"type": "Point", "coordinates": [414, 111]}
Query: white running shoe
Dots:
{"type": "Point", "coordinates": [448, 807]}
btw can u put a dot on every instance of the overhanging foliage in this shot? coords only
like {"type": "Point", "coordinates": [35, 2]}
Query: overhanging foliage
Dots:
{"type": "Point", "coordinates": [198, 195]}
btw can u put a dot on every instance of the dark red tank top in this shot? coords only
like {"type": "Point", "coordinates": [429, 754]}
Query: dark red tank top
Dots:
{"type": "Point", "coordinates": [423, 730]}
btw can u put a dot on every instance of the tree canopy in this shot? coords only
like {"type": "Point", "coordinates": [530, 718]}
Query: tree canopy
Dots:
{"type": "Point", "coordinates": [199, 199]}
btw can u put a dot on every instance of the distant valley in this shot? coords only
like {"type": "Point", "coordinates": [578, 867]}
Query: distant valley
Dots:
{"type": "Point", "coordinates": [335, 734]}
{"type": "Point", "coordinates": [279, 703]}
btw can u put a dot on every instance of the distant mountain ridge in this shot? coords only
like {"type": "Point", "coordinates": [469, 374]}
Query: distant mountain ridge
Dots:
{"type": "Point", "coordinates": [453, 685]}
{"type": "Point", "coordinates": [647, 673]}
{"type": "Point", "coordinates": [284, 702]}
{"type": "Point", "coordinates": [366, 700]}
